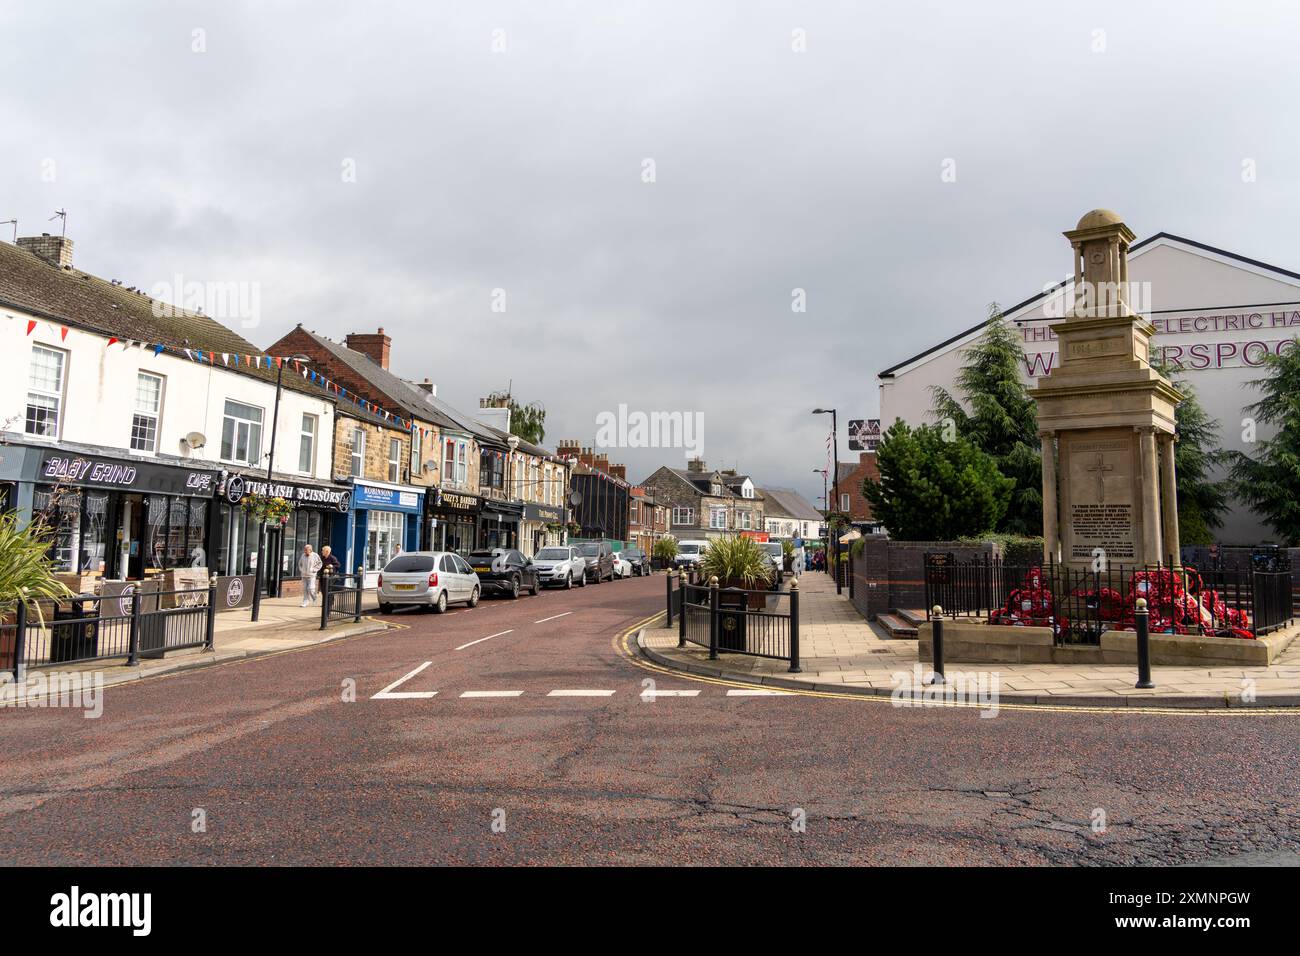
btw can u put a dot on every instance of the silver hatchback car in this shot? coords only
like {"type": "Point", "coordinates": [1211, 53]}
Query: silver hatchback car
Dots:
{"type": "Point", "coordinates": [427, 578]}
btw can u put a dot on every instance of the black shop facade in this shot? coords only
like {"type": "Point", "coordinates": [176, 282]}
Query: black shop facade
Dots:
{"type": "Point", "coordinates": [459, 521]}
{"type": "Point", "coordinates": [314, 507]}
{"type": "Point", "coordinates": [112, 517]}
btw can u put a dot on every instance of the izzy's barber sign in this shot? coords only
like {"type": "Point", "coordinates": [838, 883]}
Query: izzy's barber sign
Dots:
{"type": "Point", "coordinates": [136, 476]}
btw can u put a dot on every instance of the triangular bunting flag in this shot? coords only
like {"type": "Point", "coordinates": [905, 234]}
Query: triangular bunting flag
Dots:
{"type": "Point", "coordinates": [63, 332]}
{"type": "Point", "coordinates": [31, 324]}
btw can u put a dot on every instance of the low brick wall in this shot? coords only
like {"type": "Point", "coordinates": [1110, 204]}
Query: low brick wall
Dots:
{"type": "Point", "coordinates": [890, 575]}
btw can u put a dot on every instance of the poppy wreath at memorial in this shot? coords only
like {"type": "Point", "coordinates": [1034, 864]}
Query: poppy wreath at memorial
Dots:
{"type": "Point", "coordinates": [1028, 606]}
{"type": "Point", "coordinates": [1174, 607]}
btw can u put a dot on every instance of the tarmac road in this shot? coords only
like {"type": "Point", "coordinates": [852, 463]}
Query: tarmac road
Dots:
{"type": "Point", "coordinates": [524, 734]}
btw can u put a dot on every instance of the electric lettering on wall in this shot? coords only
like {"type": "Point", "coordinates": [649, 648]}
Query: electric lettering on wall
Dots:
{"type": "Point", "coordinates": [1249, 353]}
{"type": "Point", "coordinates": [91, 472]}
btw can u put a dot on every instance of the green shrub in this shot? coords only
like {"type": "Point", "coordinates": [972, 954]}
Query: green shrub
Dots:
{"type": "Point", "coordinates": [665, 549]}
{"type": "Point", "coordinates": [737, 562]}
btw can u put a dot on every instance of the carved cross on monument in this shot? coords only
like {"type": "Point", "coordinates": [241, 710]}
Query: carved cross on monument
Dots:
{"type": "Point", "coordinates": [1100, 468]}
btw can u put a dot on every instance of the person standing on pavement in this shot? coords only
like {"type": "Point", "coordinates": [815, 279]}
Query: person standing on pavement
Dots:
{"type": "Point", "coordinates": [329, 563]}
{"type": "Point", "coordinates": [309, 566]}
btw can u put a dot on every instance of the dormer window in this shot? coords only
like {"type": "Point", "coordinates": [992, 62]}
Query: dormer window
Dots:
{"type": "Point", "coordinates": [716, 489]}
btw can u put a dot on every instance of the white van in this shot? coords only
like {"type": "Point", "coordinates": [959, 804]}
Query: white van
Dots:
{"type": "Point", "coordinates": [689, 553]}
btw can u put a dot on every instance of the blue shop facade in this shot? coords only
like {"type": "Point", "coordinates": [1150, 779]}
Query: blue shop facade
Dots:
{"type": "Point", "coordinates": [384, 521]}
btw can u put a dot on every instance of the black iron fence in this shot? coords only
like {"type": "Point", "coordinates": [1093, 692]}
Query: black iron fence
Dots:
{"type": "Point", "coordinates": [134, 624]}
{"type": "Point", "coordinates": [736, 621]}
{"type": "Point", "coordinates": [340, 597]}
{"type": "Point", "coordinates": [1081, 604]}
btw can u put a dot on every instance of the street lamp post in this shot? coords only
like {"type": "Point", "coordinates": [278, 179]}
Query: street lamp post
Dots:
{"type": "Point", "coordinates": [835, 484]}
{"type": "Point", "coordinates": [270, 465]}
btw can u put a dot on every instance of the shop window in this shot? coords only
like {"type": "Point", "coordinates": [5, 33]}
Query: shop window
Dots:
{"type": "Point", "coordinates": [384, 538]}
{"type": "Point", "coordinates": [148, 406]}
{"type": "Point", "coordinates": [307, 445]}
{"type": "Point", "coordinates": [45, 391]}
{"type": "Point", "coordinates": [241, 433]}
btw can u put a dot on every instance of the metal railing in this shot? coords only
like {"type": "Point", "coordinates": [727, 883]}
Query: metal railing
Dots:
{"type": "Point", "coordinates": [340, 597]}
{"type": "Point", "coordinates": [736, 621]}
{"type": "Point", "coordinates": [79, 629]}
{"type": "Point", "coordinates": [1080, 604]}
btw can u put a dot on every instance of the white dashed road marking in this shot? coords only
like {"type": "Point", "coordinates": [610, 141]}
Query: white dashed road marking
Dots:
{"type": "Point", "coordinates": [670, 693]}
{"type": "Point", "coordinates": [581, 693]}
{"type": "Point", "coordinates": [387, 694]}
{"type": "Point", "coordinates": [758, 692]}
{"type": "Point", "coordinates": [492, 693]}
{"type": "Point", "coordinates": [482, 639]}
{"type": "Point", "coordinates": [553, 617]}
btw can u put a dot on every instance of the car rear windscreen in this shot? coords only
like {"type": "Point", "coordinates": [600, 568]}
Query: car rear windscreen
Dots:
{"type": "Point", "coordinates": [410, 564]}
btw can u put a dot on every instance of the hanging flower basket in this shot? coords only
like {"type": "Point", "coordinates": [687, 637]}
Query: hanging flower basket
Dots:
{"type": "Point", "coordinates": [267, 509]}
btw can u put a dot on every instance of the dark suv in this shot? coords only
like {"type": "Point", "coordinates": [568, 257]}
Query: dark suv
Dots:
{"type": "Point", "coordinates": [504, 571]}
{"type": "Point", "coordinates": [600, 560]}
{"type": "Point", "coordinates": [639, 560]}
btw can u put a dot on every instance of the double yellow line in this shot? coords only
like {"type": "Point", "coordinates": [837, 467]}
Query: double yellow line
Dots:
{"type": "Point", "coordinates": [623, 644]}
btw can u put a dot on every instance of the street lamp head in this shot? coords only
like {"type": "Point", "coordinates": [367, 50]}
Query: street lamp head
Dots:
{"type": "Point", "coordinates": [821, 411]}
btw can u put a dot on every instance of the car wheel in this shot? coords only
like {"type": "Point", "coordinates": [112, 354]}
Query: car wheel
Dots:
{"type": "Point", "coordinates": [441, 606]}
{"type": "Point", "coordinates": [582, 581]}
{"type": "Point", "coordinates": [473, 598]}
{"type": "Point", "coordinates": [514, 588]}
{"type": "Point", "coordinates": [385, 608]}
{"type": "Point", "coordinates": [536, 587]}
{"type": "Point", "coordinates": [568, 581]}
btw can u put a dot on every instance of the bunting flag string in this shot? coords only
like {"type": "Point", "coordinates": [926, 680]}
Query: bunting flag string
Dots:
{"type": "Point", "coordinates": [209, 357]}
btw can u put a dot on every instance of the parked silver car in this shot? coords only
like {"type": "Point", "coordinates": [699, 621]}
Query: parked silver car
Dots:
{"type": "Point", "coordinates": [428, 578]}
{"type": "Point", "coordinates": [561, 567]}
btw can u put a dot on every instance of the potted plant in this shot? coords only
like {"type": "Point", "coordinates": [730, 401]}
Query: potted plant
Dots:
{"type": "Point", "coordinates": [664, 552]}
{"type": "Point", "coordinates": [26, 574]}
{"type": "Point", "coordinates": [787, 554]}
{"type": "Point", "coordinates": [739, 562]}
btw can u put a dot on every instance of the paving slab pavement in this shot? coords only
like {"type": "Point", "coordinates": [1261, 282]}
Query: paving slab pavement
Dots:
{"type": "Point", "coordinates": [843, 652]}
{"type": "Point", "coordinates": [283, 625]}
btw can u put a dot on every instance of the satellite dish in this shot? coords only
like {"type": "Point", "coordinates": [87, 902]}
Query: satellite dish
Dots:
{"type": "Point", "coordinates": [575, 498]}
{"type": "Point", "coordinates": [431, 465]}
{"type": "Point", "coordinates": [196, 439]}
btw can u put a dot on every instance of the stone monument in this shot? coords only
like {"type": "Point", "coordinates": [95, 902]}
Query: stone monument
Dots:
{"type": "Point", "coordinates": [1107, 417]}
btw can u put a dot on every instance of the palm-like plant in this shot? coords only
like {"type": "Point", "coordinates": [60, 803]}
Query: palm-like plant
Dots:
{"type": "Point", "coordinates": [738, 562]}
{"type": "Point", "coordinates": [26, 571]}
{"type": "Point", "coordinates": [665, 549]}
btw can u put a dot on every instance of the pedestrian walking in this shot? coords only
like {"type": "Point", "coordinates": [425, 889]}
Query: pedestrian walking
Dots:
{"type": "Point", "coordinates": [309, 566]}
{"type": "Point", "coordinates": [329, 563]}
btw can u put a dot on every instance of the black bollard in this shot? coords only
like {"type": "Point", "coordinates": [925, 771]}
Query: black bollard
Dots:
{"type": "Point", "coordinates": [936, 643]}
{"type": "Point", "coordinates": [1141, 618]}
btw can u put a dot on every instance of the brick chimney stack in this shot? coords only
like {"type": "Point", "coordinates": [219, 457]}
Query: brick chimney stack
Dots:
{"type": "Point", "coordinates": [618, 471]}
{"type": "Point", "coordinates": [695, 464]}
{"type": "Point", "coordinates": [56, 250]}
{"type": "Point", "coordinates": [376, 345]}
{"type": "Point", "coordinates": [568, 448]}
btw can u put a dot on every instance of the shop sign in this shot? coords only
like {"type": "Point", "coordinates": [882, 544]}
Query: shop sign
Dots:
{"type": "Point", "coordinates": [389, 499]}
{"type": "Point", "coordinates": [312, 496]}
{"type": "Point", "coordinates": [455, 501]}
{"type": "Point", "coordinates": [549, 513]}
{"type": "Point", "coordinates": [58, 468]}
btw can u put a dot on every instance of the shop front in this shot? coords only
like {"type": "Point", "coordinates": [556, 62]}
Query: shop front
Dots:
{"type": "Point", "coordinates": [542, 525]}
{"type": "Point", "coordinates": [384, 521]}
{"type": "Point", "coordinates": [116, 518]}
{"type": "Point", "coordinates": [451, 520]}
{"type": "Point", "coordinates": [316, 509]}
{"type": "Point", "coordinates": [498, 523]}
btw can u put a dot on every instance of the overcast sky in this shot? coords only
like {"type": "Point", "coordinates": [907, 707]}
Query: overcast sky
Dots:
{"type": "Point", "coordinates": [523, 169]}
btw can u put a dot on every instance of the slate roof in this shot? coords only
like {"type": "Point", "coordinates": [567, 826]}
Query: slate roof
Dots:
{"type": "Point", "coordinates": [788, 503]}
{"type": "Point", "coordinates": [80, 300]}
